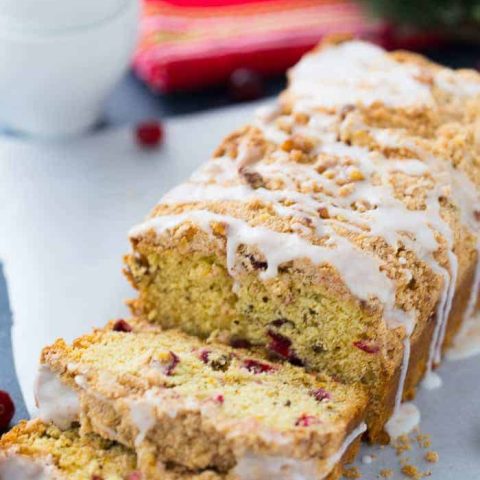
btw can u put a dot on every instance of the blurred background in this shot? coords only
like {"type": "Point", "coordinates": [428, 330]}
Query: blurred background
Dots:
{"type": "Point", "coordinates": [61, 59]}
{"type": "Point", "coordinates": [198, 54]}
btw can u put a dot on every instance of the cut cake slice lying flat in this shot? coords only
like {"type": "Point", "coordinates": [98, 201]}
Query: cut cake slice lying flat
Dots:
{"type": "Point", "coordinates": [38, 451]}
{"type": "Point", "coordinates": [181, 401]}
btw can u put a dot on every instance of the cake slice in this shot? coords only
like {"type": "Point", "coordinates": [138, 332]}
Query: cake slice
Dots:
{"type": "Point", "coordinates": [184, 402]}
{"type": "Point", "coordinates": [37, 451]}
{"type": "Point", "coordinates": [339, 230]}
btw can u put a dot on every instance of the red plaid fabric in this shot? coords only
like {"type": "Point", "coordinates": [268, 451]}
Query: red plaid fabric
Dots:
{"type": "Point", "coordinates": [190, 44]}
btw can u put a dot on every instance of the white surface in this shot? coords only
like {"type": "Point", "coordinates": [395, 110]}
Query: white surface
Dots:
{"type": "Point", "coordinates": [53, 85]}
{"type": "Point", "coordinates": [65, 211]}
{"type": "Point", "coordinates": [21, 468]}
{"type": "Point", "coordinates": [56, 14]}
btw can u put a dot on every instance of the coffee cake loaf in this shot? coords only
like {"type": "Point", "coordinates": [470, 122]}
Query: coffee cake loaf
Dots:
{"type": "Point", "coordinates": [340, 230]}
{"type": "Point", "coordinates": [182, 402]}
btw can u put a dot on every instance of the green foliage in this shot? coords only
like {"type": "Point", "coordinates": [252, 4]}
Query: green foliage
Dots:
{"type": "Point", "coordinates": [429, 13]}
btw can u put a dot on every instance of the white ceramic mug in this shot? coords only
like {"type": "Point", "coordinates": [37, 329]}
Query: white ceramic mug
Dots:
{"type": "Point", "coordinates": [56, 70]}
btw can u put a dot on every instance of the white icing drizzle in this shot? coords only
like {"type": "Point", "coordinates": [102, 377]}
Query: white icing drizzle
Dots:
{"type": "Point", "coordinates": [458, 84]}
{"type": "Point", "coordinates": [442, 314]}
{"type": "Point", "coordinates": [467, 197]}
{"type": "Point", "coordinates": [142, 412]}
{"type": "Point", "coordinates": [356, 73]}
{"type": "Point", "coordinates": [359, 430]}
{"type": "Point", "coordinates": [432, 381]}
{"type": "Point", "coordinates": [259, 467]}
{"type": "Point", "coordinates": [398, 412]}
{"type": "Point", "coordinates": [57, 402]}
{"type": "Point", "coordinates": [405, 419]}
{"type": "Point", "coordinates": [247, 155]}
{"type": "Point", "coordinates": [17, 467]}
{"type": "Point", "coordinates": [448, 307]}
{"type": "Point", "coordinates": [467, 341]}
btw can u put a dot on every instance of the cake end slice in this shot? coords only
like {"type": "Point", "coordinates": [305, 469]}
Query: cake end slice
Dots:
{"type": "Point", "coordinates": [201, 405]}
{"type": "Point", "coordinates": [34, 450]}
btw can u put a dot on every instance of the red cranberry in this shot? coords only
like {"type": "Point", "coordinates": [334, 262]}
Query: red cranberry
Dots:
{"type": "Point", "coordinates": [320, 394]}
{"type": "Point", "coordinates": [245, 84]}
{"type": "Point", "coordinates": [170, 367]}
{"type": "Point", "coordinates": [367, 347]}
{"type": "Point", "coordinates": [256, 367]}
{"type": "Point", "coordinates": [219, 399]}
{"type": "Point", "coordinates": [204, 356]}
{"type": "Point", "coordinates": [7, 410]}
{"type": "Point", "coordinates": [134, 476]}
{"type": "Point", "coordinates": [281, 345]}
{"type": "Point", "coordinates": [306, 420]}
{"type": "Point", "coordinates": [122, 326]}
{"type": "Point", "coordinates": [215, 360]}
{"type": "Point", "coordinates": [149, 134]}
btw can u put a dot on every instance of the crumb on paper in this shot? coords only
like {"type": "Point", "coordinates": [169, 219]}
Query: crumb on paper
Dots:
{"type": "Point", "coordinates": [432, 456]}
{"type": "Point", "coordinates": [352, 473]}
{"type": "Point", "coordinates": [386, 473]}
{"type": "Point", "coordinates": [424, 441]}
{"type": "Point", "coordinates": [411, 471]}
{"type": "Point", "coordinates": [402, 444]}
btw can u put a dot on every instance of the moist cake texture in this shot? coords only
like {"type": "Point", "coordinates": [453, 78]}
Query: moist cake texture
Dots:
{"type": "Point", "coordinates": [182, 402]}
{"type": "Point", "coordinates": [340, 230]}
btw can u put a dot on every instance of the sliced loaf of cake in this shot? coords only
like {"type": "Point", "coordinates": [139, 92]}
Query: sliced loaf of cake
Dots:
{"type": "Point", "coordinates": [340, 230]}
